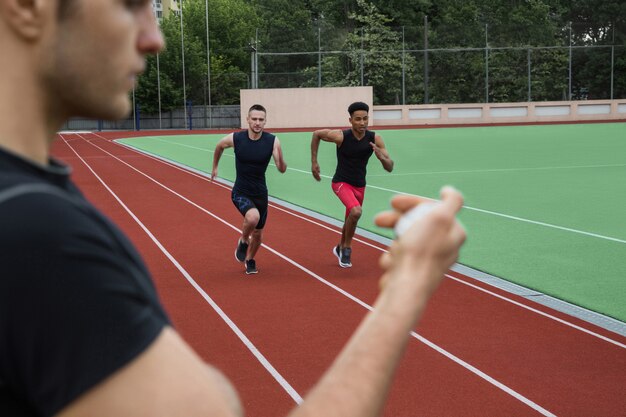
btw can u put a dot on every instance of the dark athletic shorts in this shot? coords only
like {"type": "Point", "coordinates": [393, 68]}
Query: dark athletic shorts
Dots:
{"type": "Point", "coordinates": [245, 203]}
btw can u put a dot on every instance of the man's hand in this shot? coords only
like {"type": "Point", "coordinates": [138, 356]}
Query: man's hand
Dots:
{"type": "Point", "coordinates": [432, 242]}
{"type": "Point", "coordinates": [213, 174]}
{"type": "Point", "coordinates": [378, 151]}
{"type": "Point", "coordinates": [315, 170]}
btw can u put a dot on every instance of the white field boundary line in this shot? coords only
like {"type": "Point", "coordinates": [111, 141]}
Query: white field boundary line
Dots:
{"type": "Point", "coordinates": [493, 213]}
{"type": "Point", "coordinates": [430, 344]}
{"type": "Point", "coordinates": [240, 334]}
{"type": "Point", "coordinates": [534, 310]}
{"type": "Point", "coordinates": [478, 171]}
{"type": "Point", "coordinates": [520, 219]}
{"type": "Point", "coordinates": [547, 315]}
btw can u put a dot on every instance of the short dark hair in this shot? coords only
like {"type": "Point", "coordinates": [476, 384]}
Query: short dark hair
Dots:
{"type": "Point", "coordinates": [257, 107]}
{"type": "Point", "coordinates": [359, 105]}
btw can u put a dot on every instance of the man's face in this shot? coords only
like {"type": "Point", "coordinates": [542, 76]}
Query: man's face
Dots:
{"type": "Point", "coordinates": [95, 53]}
{"type": "Point", "coordinates": [359, 121]}
{"type": "Point", "coordinates": [256, 121]}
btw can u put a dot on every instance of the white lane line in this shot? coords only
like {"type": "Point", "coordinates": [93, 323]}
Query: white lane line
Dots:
{"type": "Point", "coordinates": [204, 178]}
{"type": "Point", "coordinates": [432, 345]}
{"type": "Point", "coordinates": [240, 334]}
{"type": "Point", "coordinates": [520, 219]}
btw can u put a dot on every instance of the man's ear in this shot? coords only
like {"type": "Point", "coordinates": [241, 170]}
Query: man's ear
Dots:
{"type": "Point", "coordinates": [26, 18]}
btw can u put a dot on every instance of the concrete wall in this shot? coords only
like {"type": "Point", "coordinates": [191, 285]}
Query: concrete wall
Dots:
{"type": "Point", "coordinates": [494, 113]}
{"type": "Point", "coordinates": [304, 107]}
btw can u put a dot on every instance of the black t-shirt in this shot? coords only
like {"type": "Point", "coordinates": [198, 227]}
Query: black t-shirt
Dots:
{"type": "Point", "coordinates": [352, 158]}
{"type": "Point", "coordinates": [251, 160]}
{"type": "Point", "coordinates": [76, 300]}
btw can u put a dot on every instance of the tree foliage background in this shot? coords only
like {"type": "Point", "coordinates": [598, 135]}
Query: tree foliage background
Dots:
{"type": "Point", "coordinates": [477, 50]}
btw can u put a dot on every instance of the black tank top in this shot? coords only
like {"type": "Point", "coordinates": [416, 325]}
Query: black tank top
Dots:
{"type": "Point", "coordinates": [352, 158]}
{"type": "Point", "coordinates": [251, 160]}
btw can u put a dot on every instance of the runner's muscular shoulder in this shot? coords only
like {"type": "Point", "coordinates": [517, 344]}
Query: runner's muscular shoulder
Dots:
{"type": "Point", "coordinates": [226, 142]}
{"type": "Point", "coordinates": [330, 135]}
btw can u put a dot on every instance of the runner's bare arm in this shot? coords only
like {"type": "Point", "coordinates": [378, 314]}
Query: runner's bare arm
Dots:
{"type": "Point", "coordinates": [327, 135]}
{"type": "Point", "coordinates": [277, 153]}
{"type": "Point", "coordinates": [225, 142]}
{"type": "Point", "coordinates": [382, 154]}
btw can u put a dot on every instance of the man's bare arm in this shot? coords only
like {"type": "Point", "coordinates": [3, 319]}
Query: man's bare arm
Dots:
{"type": "Point", "coordinates": [225, 142]}
{"type": "Point", "coordinates": [327, 135]}
{"type": "Point", "coordinates": [358, 381]}
{"type": "Point", "coordinates": [170, 379]}
{"type": "Point", "coordinates": [277, 153]}
{"type": "Point", "coordinates": [382, 154]}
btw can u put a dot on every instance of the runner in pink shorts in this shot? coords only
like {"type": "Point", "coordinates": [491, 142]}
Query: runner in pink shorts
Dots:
{"type": "Point", "coordinates": [355, 146]}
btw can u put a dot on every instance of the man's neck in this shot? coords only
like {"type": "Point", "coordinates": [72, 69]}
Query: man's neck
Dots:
{"type": "Point", "coordinates": [358, 135]}
{"type": "Point", "coordinates": [26, 125]}
{"type": "Point", "coordinates": [29, 119]}
{"type": "Point", "coordinates": [254, 135]}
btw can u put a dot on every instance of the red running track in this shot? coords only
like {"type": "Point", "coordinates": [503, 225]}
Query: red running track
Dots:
{"type": "Point", "coordinates": [478, 351]}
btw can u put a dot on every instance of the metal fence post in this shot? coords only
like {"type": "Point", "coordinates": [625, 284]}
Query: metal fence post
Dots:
{"type": "Point", "coordinates": [182, 50]}
{"type": "Point", "coordinates": [362, 58]}
{"type": "Point", "coordinates": [486, 63]}
{"type": "Point", "coordinates": [426, 99]}
{"type": "Point", "coordinates": [529, 79]}
{"type": "Point", "coordinates": [612, 58]}
{"type": "Point", "coordinates": [208, 60]}
{"type": "Point", "coordinates": [403, 69]}
{"type": "Point", "coordinates": [159, 89]}
{"type": "Point", "coordinates": [569, 90]}
{"type": "Point", "coordinates": [319, 57]}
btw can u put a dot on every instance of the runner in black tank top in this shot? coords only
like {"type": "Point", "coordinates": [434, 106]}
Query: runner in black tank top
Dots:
{"type": "Point", "coordinates": [352, 158]}
{"type": "Point", "coordinates": [253, 150]}
{"type": "Point", "coordinates": [355, 146]}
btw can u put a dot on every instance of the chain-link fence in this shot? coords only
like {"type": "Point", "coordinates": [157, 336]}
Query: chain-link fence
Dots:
{"type": "Point", "coordinates": [192, 117]}
{"type": "Point", "coordinates": [411, 65]}
{"type": "Point", "coordinates": [423, 64]}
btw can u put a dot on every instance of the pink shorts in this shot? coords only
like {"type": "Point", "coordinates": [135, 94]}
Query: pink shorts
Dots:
{"type": "Point", "coordinates": [349, 195]}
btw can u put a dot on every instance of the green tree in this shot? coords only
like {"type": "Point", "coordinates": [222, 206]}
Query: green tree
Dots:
{"type": "Point", "coordinates": [601, 26]}
{"type": "Point", "coordinates": [147, 91]}
{"type": "Point", "coordinates": [229, 57]}
{"type": "Point", "coordinates": [285, 26]}
{"type": "Point", "coordinates": [373, 56]}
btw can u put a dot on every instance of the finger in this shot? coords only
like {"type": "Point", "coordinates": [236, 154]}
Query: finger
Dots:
{"type": "Point", "coordinates": [386, 261]}
{"type": "Point", "coordinates": [387, 218]}
{"type": "Point", "coordinates": [404, 203]}
{"type": "Point", "coordinates": [452, 199]}
{"type": "Point", "coordinates": [458, 235]}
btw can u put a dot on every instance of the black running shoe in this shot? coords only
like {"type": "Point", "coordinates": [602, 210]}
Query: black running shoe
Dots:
{"type": "Point", "coordinates": [337, 253]}
{"type": "Point", "coordinates": [251, 267]}
{"type": "Point", "coordinates": [344, 261]}
{"type": "Point", "coordinates": [241, 251]}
